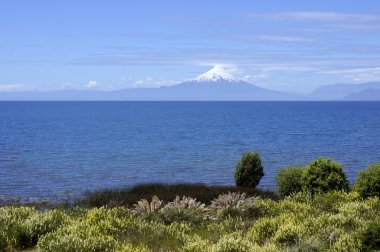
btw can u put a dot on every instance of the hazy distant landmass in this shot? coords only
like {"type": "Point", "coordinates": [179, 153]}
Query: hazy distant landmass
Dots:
{"type": "Point", "coordinates": [214, 85]}
{"type": "Point", "coordinates": [187, 91]}
{"type": "Point", "coordinates": [369, 94]}
{"type": "Point", "coordinates": [347, 92]}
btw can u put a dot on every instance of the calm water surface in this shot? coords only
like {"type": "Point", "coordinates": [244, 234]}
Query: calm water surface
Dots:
{"type": "Point", "coordinates": [58, 149]}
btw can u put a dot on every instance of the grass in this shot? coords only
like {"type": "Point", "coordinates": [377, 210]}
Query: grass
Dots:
{"type": "Point", "coordinates": [130, 195]}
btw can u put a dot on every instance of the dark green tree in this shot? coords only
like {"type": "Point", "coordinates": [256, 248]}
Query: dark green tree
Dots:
{"type": "Point", "coordinates": [368, 181]}
{"type": "Point", "coordinates": [249, 170]}
{"type": "Point", "coordinates": [322, 175]}
{"type": "Point", "coordinates": [288, 180]}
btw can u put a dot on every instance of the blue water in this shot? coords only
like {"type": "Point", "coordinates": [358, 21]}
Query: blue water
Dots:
{"type": "Point", "coordinates": [57, 149]}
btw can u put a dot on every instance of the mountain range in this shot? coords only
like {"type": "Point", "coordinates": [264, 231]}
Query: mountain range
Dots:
{"type": "Point", "coordinates": [214, 85]}
{"type": "Point", "coordinates": [349, 92]}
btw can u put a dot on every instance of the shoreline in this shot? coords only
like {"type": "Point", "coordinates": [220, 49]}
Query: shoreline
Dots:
{"type": "Point", "coordinates": [135, 192]}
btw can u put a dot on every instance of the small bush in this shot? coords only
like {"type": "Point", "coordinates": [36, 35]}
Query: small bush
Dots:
{"type": "Point", "coordinates": [130, 248]}
{"type": "Point", "coordinates": [331, 201]}
{"type": "Point", "coordinates": [347, 243]}
{"type": "Point", "coordinates": [370, 237]}
{"type": "Point", "coordinates": [287, 234]}
{"type": "Point", "coordinates": [368, 181]}
{"type": "Point", "coordinates": [71, 242]}
{"type": "Point", "coordinates": [235, 205]}
{"type": "Point", "coordinates": [323, 175]}
{"type": "Point", "coordinates": [229, 200]}
{"type": "Point", "coordinates": [264, 229]}
{"type": "Point", "coordinates": [185, 209]}
{"type": "Point", "coordinates": [233, 243]}
{"type": "Point", "coordinates": [145, 207]}
{"type": "Point", "coordinates": [43, 223]}
{"type": "Point", "coordinates": [185, 203]}
{"type": "Point", "coordinates": [196, 244]}
{"type": "Point", "coordinates": [21, 227]}
{"type": "Point", "coordinates": [97, 230]}
{"type": "Point", "coordinates": [289, 180]}
{"type": "Point", "coordinates": [249, 170]}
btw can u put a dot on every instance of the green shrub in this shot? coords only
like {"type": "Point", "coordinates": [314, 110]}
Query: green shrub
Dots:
{"type": "Point", "coordinates": [21, 227]}
{"type": "Point", "coordinates": [264, 229]}
{"type": "Point", "coordinates": [71, 242]}
{"type": "Point", "coordinates": [95, 231]}
{"type": "Point", "coordinates": [368, 181]}
{"type": "Point", "coordinates": [332, 200]}
{"type": "Point", "coordinates": [175, 214]}
{"type": "Point", "coordinates": [309, 245]}
{"type": "Point", "coordinates": [287, 234]}
{"type": "Point", "coordinates": [347, 243]}
{"type": "Point", "coordinates": [370, 237]}
{"type": "Point", "coordinates": [289, 205]}
{"type": "Point", "coordinates": [13, 231]}
{"type": "Point", "coordinates": [323, 175]}
{"type": "Point", "coordinates": [289, 180]}
{"type": "Point", "coordinates": [43, 223]}
{"type": "Point", "coordinates": [130, 248]}
{"type": "Point", "coordinates": [216, 229]}
{"type": "Point", "coordinates": [196, 244]}
{"type": "Point", "coordinates": [249, 170]}
{"type": "Point", "coordinates": [233, 243]}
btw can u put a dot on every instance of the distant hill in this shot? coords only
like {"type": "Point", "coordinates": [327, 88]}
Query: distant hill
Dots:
{"type": "Point", "coordinates": [341, 91]}
{"type": "Point", "coordinates": [187, 91]}
{"type": "Point", "coordinates": [368, 94]}
{"type": "Point", "coordinates": [214, 85]}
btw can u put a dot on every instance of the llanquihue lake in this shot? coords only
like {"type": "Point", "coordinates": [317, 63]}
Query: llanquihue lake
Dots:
{"type": "Point", "coordinates": [61, 149]}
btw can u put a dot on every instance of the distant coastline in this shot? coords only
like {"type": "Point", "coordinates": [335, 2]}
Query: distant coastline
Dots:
{"type": "Point", "coordinates": [205, 88]}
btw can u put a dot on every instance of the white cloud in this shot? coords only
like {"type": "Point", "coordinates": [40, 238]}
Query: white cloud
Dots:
{"type": "Point", "coordinates": [151, 82]}
{"type": "Point", "coordinates": [318, 16]}
{"type": "Point", "coordinates": [283, 38]}
{"type": "Point", "coordinates": [67, 85]}
{"type": "Point", "coordinates": [255, 77]}
{"type": "Point", "coordinates": [356, 74]}
{"type": "Point", "coordinates": [10, 87]}
{"type": "Point", "coordinates": [294, 68]}
{"type": "Point", "coordinates": [92, 84]}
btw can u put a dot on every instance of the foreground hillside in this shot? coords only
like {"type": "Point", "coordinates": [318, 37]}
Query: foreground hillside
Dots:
{"type": "Point", "coordinates": [335, 221]}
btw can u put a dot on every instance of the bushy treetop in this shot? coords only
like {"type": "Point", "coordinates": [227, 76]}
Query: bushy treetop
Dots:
{"type": "Point", "coordinates": [249, 170]}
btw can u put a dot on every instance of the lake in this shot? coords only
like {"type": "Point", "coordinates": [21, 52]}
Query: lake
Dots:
{"type": "Point", "coordinates": [61, 149]}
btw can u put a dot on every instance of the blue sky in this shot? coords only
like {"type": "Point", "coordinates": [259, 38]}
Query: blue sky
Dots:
{"type": "Point", "coordinates": [289, 45]}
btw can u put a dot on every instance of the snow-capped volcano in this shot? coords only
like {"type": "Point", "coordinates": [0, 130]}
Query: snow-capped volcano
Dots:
{"type": "Point", "coordinates": [216, 74]}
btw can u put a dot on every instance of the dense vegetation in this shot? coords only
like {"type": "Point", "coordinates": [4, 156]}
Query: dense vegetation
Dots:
{"type": "Point", "coordinates": [336, 221]}
{"type": "Point", "coordinates": [324, 217]}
